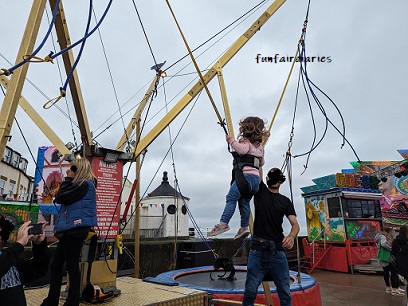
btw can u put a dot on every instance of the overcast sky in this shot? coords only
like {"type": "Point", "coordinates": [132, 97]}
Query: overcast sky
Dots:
{"type": "Point", "coordinates": [366, 78]}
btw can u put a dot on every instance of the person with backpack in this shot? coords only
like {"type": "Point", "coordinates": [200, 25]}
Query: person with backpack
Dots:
{"type": "Point", "coordinates": [383, 241]}
{"type": "Point", "coordinates": [400, 253]}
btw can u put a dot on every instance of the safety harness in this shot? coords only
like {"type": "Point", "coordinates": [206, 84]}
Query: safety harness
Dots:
{"type": "Point", "coordinates": [239, 162]}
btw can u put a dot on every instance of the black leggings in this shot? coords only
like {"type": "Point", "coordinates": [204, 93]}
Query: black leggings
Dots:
{"type": "Point", "coordinates": [68, 251]}
{"type": "Point", "coordinates": [390, 269]}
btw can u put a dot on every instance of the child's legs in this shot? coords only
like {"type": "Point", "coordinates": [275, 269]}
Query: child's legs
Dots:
{"type": "Point", "coordinates": [231, 202]}
{"type": "Point", "coordinates": [253, 181]}
{"type": "Point", "coordinates": [245, 211]}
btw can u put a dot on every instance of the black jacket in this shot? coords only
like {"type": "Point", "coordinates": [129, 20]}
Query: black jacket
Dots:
{"type": "Point", "coordinates": [15, 272]}
{"type": "Point", "coordinates": [400, 252]}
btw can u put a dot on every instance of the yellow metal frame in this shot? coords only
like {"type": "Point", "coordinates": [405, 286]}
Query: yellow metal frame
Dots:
{"type": "Point", "coordinates": [64, 41]}
{"type": "Point", "coordinates": [15, 88]}
{"type": "Point", "coordinates": [225, 58]}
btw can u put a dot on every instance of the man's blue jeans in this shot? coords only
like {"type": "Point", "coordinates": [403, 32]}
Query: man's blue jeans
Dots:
{"type": "Point", "coordinates": [279, 271]}
{"type": "Point", "coordinates": [234, 195]}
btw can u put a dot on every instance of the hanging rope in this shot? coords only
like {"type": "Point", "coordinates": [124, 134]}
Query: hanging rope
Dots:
{"type": "Point", "coordinates": [288, 166]}
{"type": "Point", "coordinates": [280, 99]}
{"type": "Point", "coordinates": [63, 89]}
{"type": "Point", "coordinates": [221, 121]}
{"type": "Point", "coordinates": [51, 55]}
{"type": "Point", "coordinates": [311, 96]}
{"type": "Point", "coordinates": [32, 57]}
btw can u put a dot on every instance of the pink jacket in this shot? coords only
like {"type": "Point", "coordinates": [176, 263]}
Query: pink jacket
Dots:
{"type": "Point", "coordinates": [244, 146]}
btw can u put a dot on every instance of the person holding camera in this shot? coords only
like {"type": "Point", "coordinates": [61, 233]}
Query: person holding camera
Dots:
{"type": "Point", "coordinates": [77, 196]}
{"type": "Point", "coordinates": [268, 243]}
{"type": "Point", "coordinates": [15, 271]}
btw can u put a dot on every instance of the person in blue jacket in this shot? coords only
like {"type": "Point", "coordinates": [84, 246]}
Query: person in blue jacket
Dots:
{"type": "Point", "coordinates": [77, 214]}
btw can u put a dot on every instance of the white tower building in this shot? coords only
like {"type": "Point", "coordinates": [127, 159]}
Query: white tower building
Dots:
{"type": "Point", "coordinates": [163, 213]}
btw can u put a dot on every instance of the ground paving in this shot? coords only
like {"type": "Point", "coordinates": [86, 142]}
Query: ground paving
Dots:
{"type": "Point", "coordinates": [354, 289]}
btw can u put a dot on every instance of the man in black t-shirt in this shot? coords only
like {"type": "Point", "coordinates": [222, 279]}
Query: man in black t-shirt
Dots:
{"type": "Point", "coordinates": [268, 243]}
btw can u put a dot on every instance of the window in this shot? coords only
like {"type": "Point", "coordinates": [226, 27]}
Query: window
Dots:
{"type": "Point", "coordinates": [23, 165]}
{"type": "Point", "coordinates": [363, 208]}
{"type": "Point", "coordinates": [11, 189]}
{"type": "Point", "coordinates": [333, 204]}
{"type": "Point", "coordinates": [2, 184]}
{"type": "Point", "coordinates": [20, 193]}
{"type": "Point", "coordinates": [7, 155]}
{"type": "Point", "coordinates": [15, 159]}
{"type": "Point", "coordinates": [55, 157]}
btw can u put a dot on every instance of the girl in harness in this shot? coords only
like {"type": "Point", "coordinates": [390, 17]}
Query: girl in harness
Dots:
{"type": "Point", "coordinates": [248, 158]}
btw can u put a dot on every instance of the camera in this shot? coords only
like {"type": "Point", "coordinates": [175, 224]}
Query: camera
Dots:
{"type": "Point", "coordinates": [36, 229]}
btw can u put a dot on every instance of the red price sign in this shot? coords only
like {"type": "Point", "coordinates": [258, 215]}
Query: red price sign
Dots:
{"type": "Point", "coordinates": [109, 176]}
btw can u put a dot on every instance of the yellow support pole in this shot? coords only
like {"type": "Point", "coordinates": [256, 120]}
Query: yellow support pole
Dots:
{"type": "Point", "coordinates": [136, 117]}
{"type": "Point", "coordinates": [36, 118]}
{"type": "Point", "coordinates": [225, 58]}
{"type": "Point", "coordinates": [10, 102]}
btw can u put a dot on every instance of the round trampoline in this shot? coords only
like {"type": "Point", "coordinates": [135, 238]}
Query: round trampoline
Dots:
{"type": "Point", "coordinates": [307, 292]}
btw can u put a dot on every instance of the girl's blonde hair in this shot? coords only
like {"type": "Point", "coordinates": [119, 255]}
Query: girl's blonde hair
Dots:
{"type": "Point", "coordinates": [253, 129]}
{"type": "Point", "coordinates": [83, 170]}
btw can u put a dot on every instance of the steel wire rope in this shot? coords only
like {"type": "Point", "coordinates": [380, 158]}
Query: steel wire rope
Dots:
{"type": "Point", "coordinates": [44, 95]}
{"type": "Point", "coordinates": [53, 56]}
{"type": "Point", "coordinates": [155, 62]}
{"type": "Point", "coordinates": [249, 13]}
{"type": "Point", "coordinates": [289, 170]}
{"type": "Point", "coordinates": [256, 7]}
{"type": "Point", "coordinates": [173, 264]}
{"type": "Point", "coordinates": [110, 75]}
{"type": "Point", "coordinates": [126, 112]}
{"type": "Point", "coordinates": [68, 115]}
{"type": "Point", "coordinates": [182, 90]}
{"type": "Point", "coordinates": [308, 89]}
{"type": "Point", "coordinates": [63, 88]}
{"type": "Point", "coordinates": [178, 189]}
{"type": "Point", "coordinates": [145, 34]}
{"type": "Point", "coordinates": [204, 83]}
{"type": "Point", "coordinates": [165, 156]}
{"type": "Point", "coordinates": [9, 71]}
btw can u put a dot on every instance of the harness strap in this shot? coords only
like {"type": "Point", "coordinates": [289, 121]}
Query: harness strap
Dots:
{"type": "Point", "coordinates": [246, 160]}
{"type": "Point", "coordinates": [239, 163]}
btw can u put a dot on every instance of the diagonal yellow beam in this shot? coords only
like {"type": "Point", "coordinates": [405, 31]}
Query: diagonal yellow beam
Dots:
{"type": "Point", "coordinates": [38, 120]}
{"type": "Point", "coordinates": [10, 102]}
{"type": "Point", "coordinates": [136, 117]}
{"type": "Point", "coordinates": [225, 58]}
{"type": "Point", "coordinates": [64, 41]}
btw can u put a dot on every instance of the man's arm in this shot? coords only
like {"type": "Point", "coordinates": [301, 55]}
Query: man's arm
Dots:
{"type": "Point", "coordinates": [289, 241]}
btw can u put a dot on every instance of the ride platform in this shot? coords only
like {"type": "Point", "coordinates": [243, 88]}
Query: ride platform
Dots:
{"type": "Point", "coordinates": [137, 292]}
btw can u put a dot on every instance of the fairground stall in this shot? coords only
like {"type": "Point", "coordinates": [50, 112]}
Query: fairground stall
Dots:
{"type": "Point", "coordinates": [343, 214]}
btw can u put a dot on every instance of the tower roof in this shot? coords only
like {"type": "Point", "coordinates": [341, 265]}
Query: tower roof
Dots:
{"type": "Point", "coordinates": [165, 190]}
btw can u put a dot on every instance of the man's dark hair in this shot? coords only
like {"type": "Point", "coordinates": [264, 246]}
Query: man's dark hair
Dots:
{"type": "Point", "coordinates": [275, 176]}
{"type": "Point", "coordinates": [6, 228]}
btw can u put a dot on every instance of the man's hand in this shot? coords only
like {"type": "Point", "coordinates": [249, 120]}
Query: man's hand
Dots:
{"type": "Point", "coordinates": [288, 242]}
{"type": "Point", "coordinates": [40, 238]}
{"type": "Point", "coordinates": [22, 235]}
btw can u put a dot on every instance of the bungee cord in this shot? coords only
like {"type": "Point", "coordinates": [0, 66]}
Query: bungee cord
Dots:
{"type": "Point", "coordinates": [32, 57]}
{"type": "Point", "coordinates": [170, 77]}
{"type": "Point", "coordinates": [50, 57]}
{"type": "Point", "coordinates": [63, 89]}
{"type": "Point", "coordinates": [220, 120]}
{"type": "Point", "coordinates": [311, 96]}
